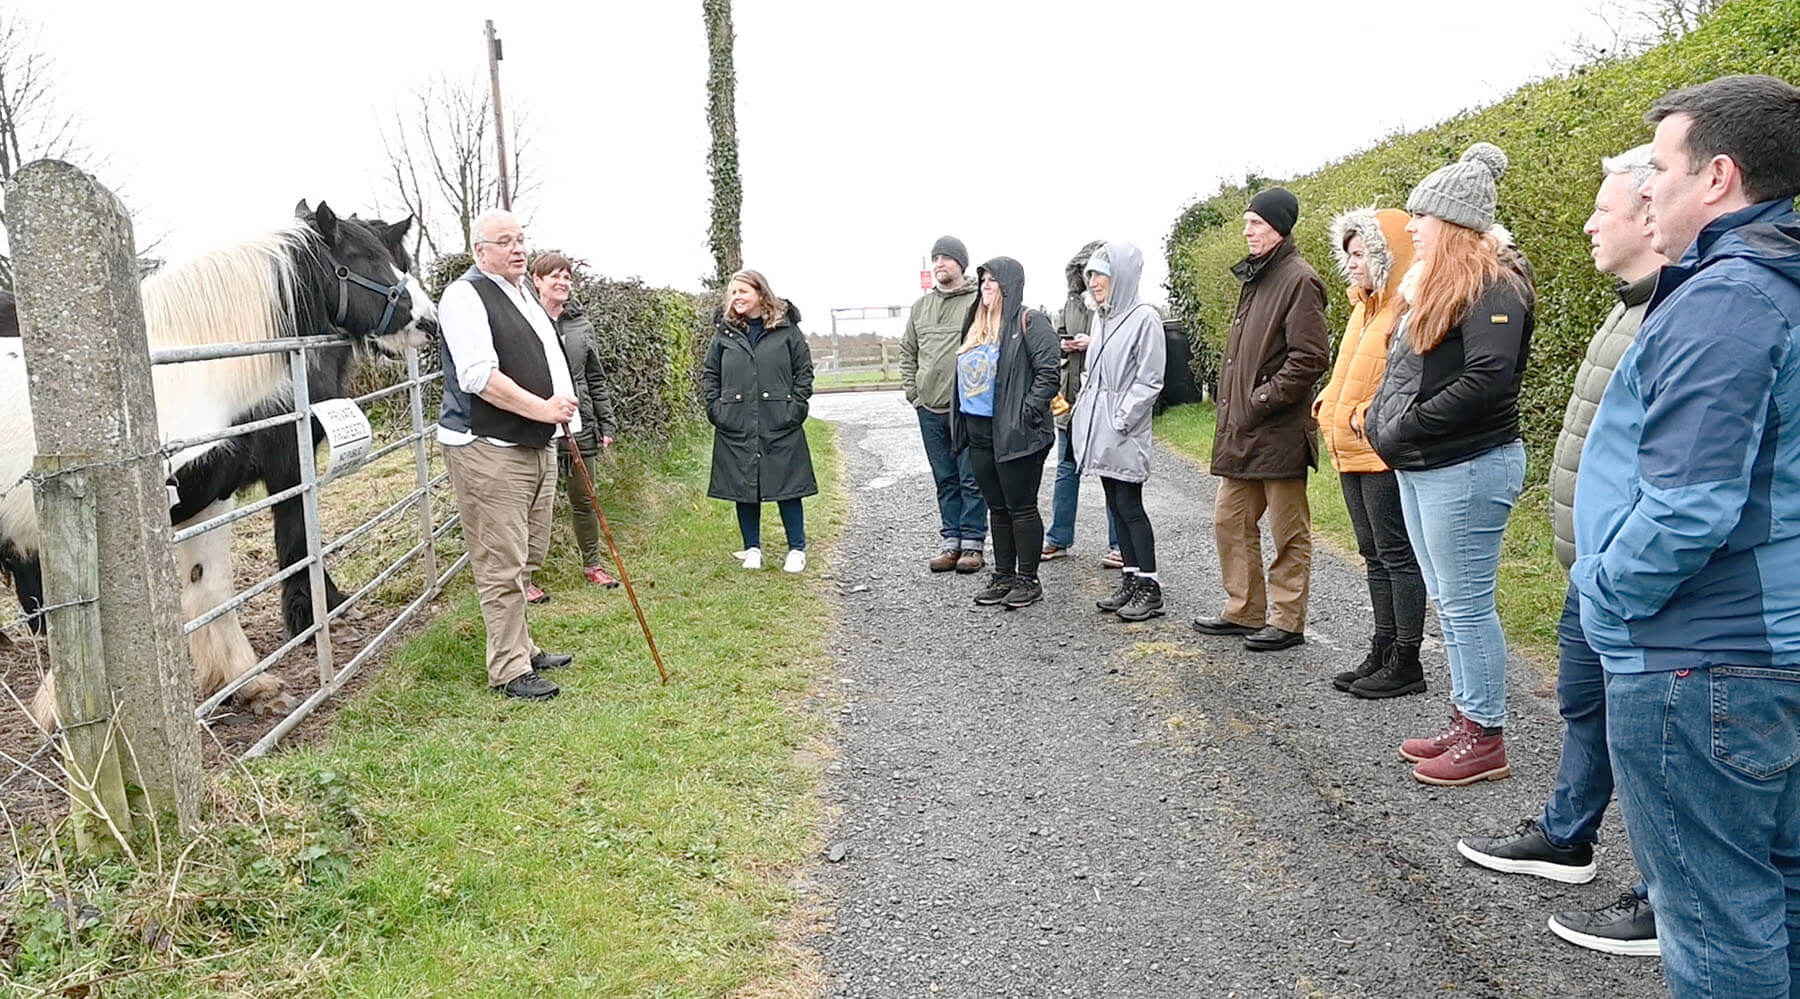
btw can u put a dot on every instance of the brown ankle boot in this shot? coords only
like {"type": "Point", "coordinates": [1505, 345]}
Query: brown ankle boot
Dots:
{"type": "Point", "coordinates": [1415, 750]}
{"type": "Point", "coordinates": [1479, 756]}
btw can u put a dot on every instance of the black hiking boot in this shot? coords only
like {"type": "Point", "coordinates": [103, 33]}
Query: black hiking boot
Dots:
{"type": "Point", "coordinates": [1026, 591]}
{"type": "Point", "coordinates": [1399, 676]}
{"type": "Point", "coordinates": [530, 687]}
{"type": "Point", "coordinates": [1145, 603]}
{"type": "Point", "coordinates": [1121, 595]}
{"type": "Point", "coordinates": [1378, 651]}
{"type": "Point", "coordinates": [999, 585]}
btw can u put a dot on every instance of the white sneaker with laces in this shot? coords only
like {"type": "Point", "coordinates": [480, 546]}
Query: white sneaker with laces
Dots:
{"type": "Point", "coordinates": [752, 558]}
{"type": "Point", "coordinates": [796, 560]}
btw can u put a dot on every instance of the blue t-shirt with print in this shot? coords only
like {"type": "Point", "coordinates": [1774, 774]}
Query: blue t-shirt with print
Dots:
{"type": "Point", "coordinates": [975, 379]}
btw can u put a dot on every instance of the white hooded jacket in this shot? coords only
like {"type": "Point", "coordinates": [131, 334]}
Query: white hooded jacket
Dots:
{"type": "Point", "coordinates": [1110, 430]}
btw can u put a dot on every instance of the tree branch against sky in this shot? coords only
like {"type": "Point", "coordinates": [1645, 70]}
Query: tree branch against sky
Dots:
{"type": "Point", "coordinates": [33, 124]}
{"type": "Point", "coordinates": [441, 167]}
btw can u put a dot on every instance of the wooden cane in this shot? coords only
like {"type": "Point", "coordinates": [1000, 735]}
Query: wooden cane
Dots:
{"type": "Point", "coordinates": [587, 486]}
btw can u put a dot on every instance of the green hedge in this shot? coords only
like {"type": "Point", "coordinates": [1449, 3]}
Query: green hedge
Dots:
{"type": "Point", "coordinates": [1555, 132]}
{"type": "Point", "coordinates": [649, 340]}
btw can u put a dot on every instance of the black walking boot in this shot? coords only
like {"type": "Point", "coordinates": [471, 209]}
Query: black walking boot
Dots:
{"type": "Point", "coordinates": [1128, 582]}
{"type": "Point", "coordinates": [1399, 676]}
{"type": "Point", "coordinates": [999, 585]}
{"type": "Point", "coordinates": [1378, 650]}
{"type": "Point", "coordinates": [1146, 603]}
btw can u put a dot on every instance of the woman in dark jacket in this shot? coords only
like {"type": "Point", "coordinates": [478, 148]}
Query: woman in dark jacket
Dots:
{"type": "Point", "coordinates": [757, 380]}
{"type": "Point", "coordinates": [1446, 419]}
{"type": "Point", "coordinates": [1005, 379]}
{"type": "Point", "coordinates": [553, 275]}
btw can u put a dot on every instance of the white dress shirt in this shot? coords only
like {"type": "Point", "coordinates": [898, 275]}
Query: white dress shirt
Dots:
{"type": "Point", "coordinates": [463, 323]}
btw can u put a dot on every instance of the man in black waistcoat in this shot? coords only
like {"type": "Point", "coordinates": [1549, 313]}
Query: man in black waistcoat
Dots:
{"type": "Point", "coordinates": [506, 389]}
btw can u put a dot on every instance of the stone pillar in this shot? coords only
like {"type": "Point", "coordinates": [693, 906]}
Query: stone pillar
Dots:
{"type": "Point", "coordinates": [83, 325]}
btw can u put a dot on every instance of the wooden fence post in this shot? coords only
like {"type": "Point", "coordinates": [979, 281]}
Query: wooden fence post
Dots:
{"type": "Point", "coordinates": [83, 324]}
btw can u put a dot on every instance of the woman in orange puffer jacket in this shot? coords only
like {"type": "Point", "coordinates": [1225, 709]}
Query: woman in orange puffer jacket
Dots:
{"type": "Point", "coordinates": [1373, 251]}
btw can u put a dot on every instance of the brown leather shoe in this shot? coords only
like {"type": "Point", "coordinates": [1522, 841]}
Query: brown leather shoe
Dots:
{"type": "Point", "coordinates": [971, 560]}
{"type": "Point", "coordinates": [944, 561]}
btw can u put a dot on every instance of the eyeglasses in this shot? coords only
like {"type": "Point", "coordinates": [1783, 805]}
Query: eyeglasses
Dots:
{"type": "Point", "coordinates": [505, 242]}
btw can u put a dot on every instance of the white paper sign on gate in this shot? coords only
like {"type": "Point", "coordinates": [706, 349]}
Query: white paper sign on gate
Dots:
{"type": "Point", "coordinates": [347, 434]}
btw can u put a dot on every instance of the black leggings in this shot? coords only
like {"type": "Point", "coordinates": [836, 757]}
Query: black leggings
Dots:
{"type": "Point", "coordinates": [1137, 541]}
{"type": "Point", "coordinates": [1011, 491]}
{"type": "Point", "coordinates": [1396, 589]}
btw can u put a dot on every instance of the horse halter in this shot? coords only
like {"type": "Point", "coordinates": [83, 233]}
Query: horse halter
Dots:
{"type": "Point", "coordinates": [346, 277]}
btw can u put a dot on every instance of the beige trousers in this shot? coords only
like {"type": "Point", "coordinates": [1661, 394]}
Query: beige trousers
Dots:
{"type": "Point", "coordinates": [505, 496]}
{"type": "Point", "coordinates": [1240, 505]}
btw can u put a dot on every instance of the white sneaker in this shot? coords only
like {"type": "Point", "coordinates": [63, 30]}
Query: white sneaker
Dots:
{"type": "Point", "coordinates": [752, 558]}
{"type": "Point", "coordinates": [796, 560]}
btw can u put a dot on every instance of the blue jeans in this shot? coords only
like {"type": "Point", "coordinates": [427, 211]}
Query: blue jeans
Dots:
{"type": "Point", "coordinates": [1456, 517]}
{"type": "Point", "coordinates": [793, 522]}
{"type": "Point", "coordinates": [1705, 761]}
{"type": "Point", "coordinates": [1066, 497]}
{"type": "Point", "coordinates": [1584, 777]}
{"type": "Point", "coordinates": [962, 514]}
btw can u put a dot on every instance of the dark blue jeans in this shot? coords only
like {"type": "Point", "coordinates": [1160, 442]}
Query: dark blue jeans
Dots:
{"type": "Point", "coordinates": [1706, 765]}
{"type": "Point", "coordinates": [1584, 777]}
{"type": "Point", "coordinates": [962, 514]}
{"type": "Point", "coordinates": [1066, 497]}
{"type": "Point", "coordinates": [793, 522]}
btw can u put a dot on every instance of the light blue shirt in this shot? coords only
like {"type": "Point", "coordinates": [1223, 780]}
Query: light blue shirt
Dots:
{"type": "Point", "coordinates": [975, 379]}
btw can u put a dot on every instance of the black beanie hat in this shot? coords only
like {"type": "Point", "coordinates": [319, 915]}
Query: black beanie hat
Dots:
{"type": "Point", "coordinates": [950, 246]}
{"type": "Point", "coordinates": [1278, 207]}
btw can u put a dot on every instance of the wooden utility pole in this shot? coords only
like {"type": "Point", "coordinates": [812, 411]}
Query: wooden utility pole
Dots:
{"type": "Point", "coordinates": [494, 57]}
{"type": "Point", "coordinates": [125, 689]}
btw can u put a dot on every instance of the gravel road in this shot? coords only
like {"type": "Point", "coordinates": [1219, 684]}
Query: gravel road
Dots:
{"type": "Point", "coordinates": [1050, 802]}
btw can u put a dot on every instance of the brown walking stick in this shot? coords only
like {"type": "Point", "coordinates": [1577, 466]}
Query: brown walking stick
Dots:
{"type": "Point", "coordinates": [587, 486]}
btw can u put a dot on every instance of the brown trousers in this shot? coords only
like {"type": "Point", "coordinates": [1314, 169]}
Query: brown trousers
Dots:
{"type": "Point", "coordinates": [505, 496]}
{"type": "Point", "coordinates": [1241, 504]}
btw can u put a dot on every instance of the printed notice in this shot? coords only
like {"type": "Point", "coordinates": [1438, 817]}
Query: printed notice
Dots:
{"type": "Point", "coordinates": [347, 435]}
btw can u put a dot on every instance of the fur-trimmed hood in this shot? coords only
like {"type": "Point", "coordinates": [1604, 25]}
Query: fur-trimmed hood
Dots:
{"type": "Point", "coordinates": [1385, 239]}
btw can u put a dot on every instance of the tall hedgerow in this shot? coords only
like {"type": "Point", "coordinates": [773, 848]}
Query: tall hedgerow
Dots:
{"type": "Point", "coordinates": [1555, 132]}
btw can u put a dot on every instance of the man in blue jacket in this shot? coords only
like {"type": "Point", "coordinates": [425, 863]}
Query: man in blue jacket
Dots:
{"type": "Point", "coordinates": [1687, 536]}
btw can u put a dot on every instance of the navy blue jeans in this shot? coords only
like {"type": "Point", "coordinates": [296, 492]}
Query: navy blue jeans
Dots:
{"type": "Point", "coordinates": [1706, 765]}
{"type": "Point", "coordinates": [962, 514]}
{"type": "Point", "coordinates": [1067, 497]}
{"type": "Point", "coordinates": [1584, 777]}
{"type": "Point", "coordinates": [793, 522]}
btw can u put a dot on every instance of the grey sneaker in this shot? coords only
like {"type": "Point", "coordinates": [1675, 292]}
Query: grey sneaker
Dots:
{"type": "Point", "coordinates": [999, 585]}
{"type": "Point", "coordinates": [1627, 927]}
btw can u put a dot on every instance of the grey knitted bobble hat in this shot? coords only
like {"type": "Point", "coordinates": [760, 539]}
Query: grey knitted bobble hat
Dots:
{"type": "Point", "coordinates": [1462, 193]}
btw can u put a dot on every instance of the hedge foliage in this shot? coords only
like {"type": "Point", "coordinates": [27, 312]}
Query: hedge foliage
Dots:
{"type": "Point", "coordinates": [1555, 132]}
{"type": "Point", "coordinates": [649, 339]}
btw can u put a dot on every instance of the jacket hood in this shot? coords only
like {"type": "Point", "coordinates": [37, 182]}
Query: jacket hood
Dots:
{"type": "Point", "coordinates": [1011, 275]}
{"type": "Point", "coordinates": [1767, 234]}
{"type": "Point", "coordinates": [1384, 236]}
{"type": "Point", "coordinates": [1076, 271]}
{"type": "Point", "coordinates": [1127, 263]}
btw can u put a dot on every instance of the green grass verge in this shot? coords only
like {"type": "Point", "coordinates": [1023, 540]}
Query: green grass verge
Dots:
{"type": "Point", "coordinates": [627, 839]}
{"type": "Point", "coordinates": [891, 377]}
{"type": "Point", "coordinates": [1532, 582]}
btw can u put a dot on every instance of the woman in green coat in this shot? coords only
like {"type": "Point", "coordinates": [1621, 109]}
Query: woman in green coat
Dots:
{"type": "Point", "coordinates": [757, 382]}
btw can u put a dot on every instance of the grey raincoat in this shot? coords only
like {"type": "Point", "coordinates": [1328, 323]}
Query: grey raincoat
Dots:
{"type": "Point", "coordinates": [1110, 430]}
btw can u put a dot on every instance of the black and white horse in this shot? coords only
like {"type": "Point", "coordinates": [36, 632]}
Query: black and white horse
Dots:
{"type": "Point", "coordinates": [319, 275]}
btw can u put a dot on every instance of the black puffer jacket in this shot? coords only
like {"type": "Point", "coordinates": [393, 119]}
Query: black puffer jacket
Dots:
{"type": "Point", "coordinates": [1024, 376]}
{"type": "Point", "coordinates": [1462, 397]}
{"type": "Point", "coordinates": [757, 399]}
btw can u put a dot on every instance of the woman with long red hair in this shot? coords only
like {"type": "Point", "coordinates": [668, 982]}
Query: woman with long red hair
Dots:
{"type": "Point", "coordinates": [1446, 419]}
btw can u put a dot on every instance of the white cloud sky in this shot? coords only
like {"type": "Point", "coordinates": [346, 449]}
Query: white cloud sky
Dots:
{"type": "Point", "coordinates": [867, 129]}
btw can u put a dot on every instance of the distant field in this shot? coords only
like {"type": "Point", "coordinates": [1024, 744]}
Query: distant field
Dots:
{"type": "Point", "coordinates": [845, 379]}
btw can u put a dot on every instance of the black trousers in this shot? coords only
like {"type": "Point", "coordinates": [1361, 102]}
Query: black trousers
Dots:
{"type": "Point", "coordinates": [1011, 491]}
{"type": "Point", "coordinates": [1396, 588]}
{"type": "Point", "coordinates": [1137, 541]}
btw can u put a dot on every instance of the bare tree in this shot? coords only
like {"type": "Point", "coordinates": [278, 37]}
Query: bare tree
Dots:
{"type": "Point", "coordinates": [727, 234]}
{"type": "Point", "coordinates": [442, 166]}
{"type": "Point", "coordinates": [33, 125]}
{"type": "Point", "coordinates": [1632, 26]}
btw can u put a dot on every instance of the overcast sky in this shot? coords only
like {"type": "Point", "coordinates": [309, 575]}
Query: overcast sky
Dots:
{"type": "Point", "coordinates": [867, 129]}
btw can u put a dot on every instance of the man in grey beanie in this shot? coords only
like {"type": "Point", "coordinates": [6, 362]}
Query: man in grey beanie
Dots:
{"type": "Point", "coordinates": [928, 371]}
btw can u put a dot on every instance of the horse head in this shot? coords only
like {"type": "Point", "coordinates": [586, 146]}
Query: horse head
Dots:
{"type": "Point", "coordinates": [362, 280]}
